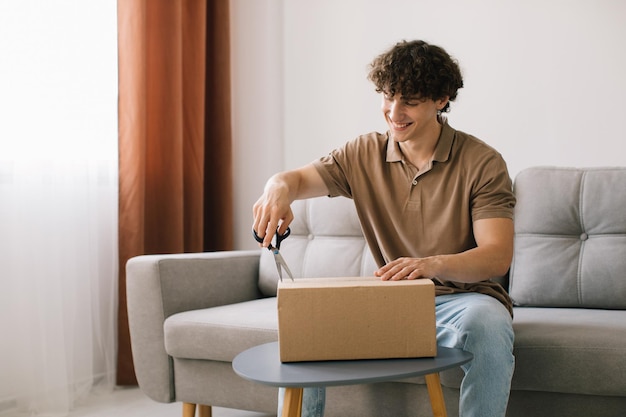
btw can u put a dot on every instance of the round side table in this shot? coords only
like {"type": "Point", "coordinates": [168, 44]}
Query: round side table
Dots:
{"type": "Point", "coordinates": [262, 364]}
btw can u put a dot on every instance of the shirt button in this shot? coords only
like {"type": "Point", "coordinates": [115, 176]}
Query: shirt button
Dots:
{"type": "Point", "coordinates": [414, 182]}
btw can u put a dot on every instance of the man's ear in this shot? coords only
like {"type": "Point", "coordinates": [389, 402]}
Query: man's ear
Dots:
{"type": "Point", "coordinates": [441, 103]}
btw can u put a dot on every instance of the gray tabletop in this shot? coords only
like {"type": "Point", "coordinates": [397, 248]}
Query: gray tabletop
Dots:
{"type": "Point", "coordinates": [262, 364]}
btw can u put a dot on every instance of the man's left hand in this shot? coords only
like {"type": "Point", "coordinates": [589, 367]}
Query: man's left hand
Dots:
{"type": "Point", "coordinates": [407, 268]}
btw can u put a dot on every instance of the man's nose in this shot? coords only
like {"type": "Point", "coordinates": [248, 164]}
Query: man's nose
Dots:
{"type": "Point", "coordinates": [394, 109]}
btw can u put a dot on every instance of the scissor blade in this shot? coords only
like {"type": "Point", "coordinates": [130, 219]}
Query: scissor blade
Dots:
{"type": "Point", "coordinates": [280, 263]}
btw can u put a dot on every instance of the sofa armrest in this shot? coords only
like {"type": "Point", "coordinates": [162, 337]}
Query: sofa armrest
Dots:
{"type": "Point", "coordinates": [158, 286]}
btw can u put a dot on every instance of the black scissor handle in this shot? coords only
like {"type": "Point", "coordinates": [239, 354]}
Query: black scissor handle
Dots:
{"type": "Point", "coordinates": [279, 238]}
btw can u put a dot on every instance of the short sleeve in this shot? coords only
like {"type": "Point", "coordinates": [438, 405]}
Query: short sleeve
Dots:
{"type": "Point", "coordinates": [333, 175]}
{"type": "Point", "coordinates": [492, 195]}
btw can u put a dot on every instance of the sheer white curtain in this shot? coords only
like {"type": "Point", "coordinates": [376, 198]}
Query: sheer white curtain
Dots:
{"type": "Point", "coordinates": [58, 202]}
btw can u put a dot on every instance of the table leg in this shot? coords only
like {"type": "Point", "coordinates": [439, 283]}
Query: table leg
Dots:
{"type": "Point", "coordinates": [292, 406]}
{"type": "Point", "coordinates": [436, 395]}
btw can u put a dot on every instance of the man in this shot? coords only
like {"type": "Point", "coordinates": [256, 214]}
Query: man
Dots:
{"type": "Point", "coordinates": [434, 203]}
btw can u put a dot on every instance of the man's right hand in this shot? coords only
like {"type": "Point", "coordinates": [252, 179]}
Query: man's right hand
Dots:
{"type": "Point", "coordinates": [272, 211]}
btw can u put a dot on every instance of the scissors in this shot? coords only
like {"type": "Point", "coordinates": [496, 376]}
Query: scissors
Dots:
{"type": "Point", "coordinates": [278, 258]}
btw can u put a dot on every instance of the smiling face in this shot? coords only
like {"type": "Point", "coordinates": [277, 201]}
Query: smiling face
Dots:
{"type": "Point", "coordinates": [411, 118]}
{"type": "Point", "coordinates": [414, 77]}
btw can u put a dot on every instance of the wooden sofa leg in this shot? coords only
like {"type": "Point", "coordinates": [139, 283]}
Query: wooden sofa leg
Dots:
{"type": "Point", "coordinates": [204, 410]}
{"type": "Point", "coordinates": [189, 410]}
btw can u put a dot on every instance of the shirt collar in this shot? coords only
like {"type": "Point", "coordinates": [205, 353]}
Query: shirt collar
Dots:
{"type": "Point", "coordinates": [442, 150]}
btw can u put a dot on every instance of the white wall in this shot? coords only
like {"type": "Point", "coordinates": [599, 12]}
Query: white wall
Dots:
{"type": "Point", "coordinates": [544, 79]}
{"type": "Point", "coordinates": [257, 72]}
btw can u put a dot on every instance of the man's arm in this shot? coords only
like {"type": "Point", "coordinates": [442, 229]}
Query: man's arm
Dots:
{"type": "Point", "coordinates": [491, 257]}
{"type": "Point", "coordinates": [273, 208]}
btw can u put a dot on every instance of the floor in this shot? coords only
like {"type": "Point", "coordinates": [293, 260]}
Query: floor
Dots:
{"type": "Point", "coordinates": [131, 402]}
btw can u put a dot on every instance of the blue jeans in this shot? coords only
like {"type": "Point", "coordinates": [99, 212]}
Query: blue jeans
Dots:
{"type": "Point", "coordinates": [473, 322]}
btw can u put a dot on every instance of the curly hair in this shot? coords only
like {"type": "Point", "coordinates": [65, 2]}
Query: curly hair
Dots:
{"type": "Point", "coordinates": [417, 68]}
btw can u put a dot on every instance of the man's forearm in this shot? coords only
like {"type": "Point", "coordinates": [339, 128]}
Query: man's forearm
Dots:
{"type": "Point", "coordinates": [491, 257]}
{"type": "Point", "coordinates": [474, 265]}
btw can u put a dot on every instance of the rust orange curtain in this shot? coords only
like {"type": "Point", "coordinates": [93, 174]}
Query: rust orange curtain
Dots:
{"type": "Point", "coordinates": [175, 179]}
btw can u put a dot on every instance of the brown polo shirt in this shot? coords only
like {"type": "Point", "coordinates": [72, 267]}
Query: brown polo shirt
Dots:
{"type": "Point", "coordinates": [404, 212]}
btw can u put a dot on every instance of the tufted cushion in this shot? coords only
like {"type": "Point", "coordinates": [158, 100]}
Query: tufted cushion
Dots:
{"type": "Point", "coordinates": [570, 238]}
{"type": "Point", "coordinates": [326, 240]}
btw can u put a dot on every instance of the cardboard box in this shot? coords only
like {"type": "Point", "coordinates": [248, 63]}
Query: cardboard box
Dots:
{"type": "Point", "coordinates": [355, 318]}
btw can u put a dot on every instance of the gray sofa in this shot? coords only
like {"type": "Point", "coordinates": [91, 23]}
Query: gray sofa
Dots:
{"type": "Point", "coordinates": [191, 314]}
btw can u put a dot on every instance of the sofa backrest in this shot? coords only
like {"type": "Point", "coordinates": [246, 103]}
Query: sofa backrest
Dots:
{"type": "Point", "coordinates": [570, 238]}
{"type": "Point", "coordinates": [326, 241]}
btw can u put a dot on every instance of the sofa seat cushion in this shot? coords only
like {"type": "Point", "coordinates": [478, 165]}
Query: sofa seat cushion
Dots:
{"type": "Point", "coordinates": [221, 333]}
{"type": "Point", "coordinates": [570, 350]}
